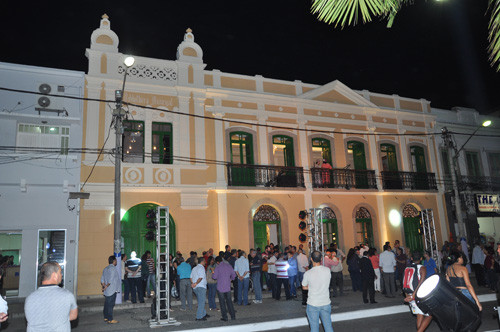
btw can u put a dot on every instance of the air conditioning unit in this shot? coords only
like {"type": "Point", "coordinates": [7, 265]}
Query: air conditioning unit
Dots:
{"type": "Point", "coordinates": [47, 100]}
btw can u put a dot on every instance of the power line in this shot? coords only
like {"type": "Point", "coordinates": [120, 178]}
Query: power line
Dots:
{"type": "Point", "coordinates": [241, 122]}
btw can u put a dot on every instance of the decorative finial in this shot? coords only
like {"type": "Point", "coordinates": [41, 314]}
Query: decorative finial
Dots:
{"type": "Point", "coordinates": [105, 16]}
{"type": "Point", "coordinates": [189, 30]}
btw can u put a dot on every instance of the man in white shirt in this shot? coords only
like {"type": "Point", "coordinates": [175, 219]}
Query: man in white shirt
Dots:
{"type": "Point", "coordinates": [302, 264]}
{"type": "Point", "coordinates": [242, 269]}
{"type": "Point", "coordinates": [477, 264]}
{"type": "Point", "coordinates": [3, 309]}
{"type": "Point", "coordinates": [317, 282]}
{"type": "Point", "coordinates": [271, 270]}
{"type": "Point", "coordinates": [387, 263]}
{"type": "Point", "coordinates": [199, 286]}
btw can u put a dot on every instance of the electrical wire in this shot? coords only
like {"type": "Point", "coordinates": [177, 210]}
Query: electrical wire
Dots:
{"type": "Point", "coordinates": [242, 122]}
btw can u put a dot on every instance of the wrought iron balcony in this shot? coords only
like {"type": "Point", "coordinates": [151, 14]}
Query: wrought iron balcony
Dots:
{"type": "Point", "coordinates": [264, 176]}
{"type": "Point", "coordinates": [408, 180]}
{"type": "Point", "coordinates": [343, 178]}
{"type": "Point", "coordinates": [479, 183]}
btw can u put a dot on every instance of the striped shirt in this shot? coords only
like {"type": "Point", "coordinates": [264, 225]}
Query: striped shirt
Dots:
{"type": "Point", "coordinates": [281, 269]}
{"type": "Point", "coordinates": [151, 265]}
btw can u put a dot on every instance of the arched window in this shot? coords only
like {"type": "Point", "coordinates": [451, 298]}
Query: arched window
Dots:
{"type": "Point", "coordinates": [364, 228]}
{"type": "Point", "coordinates": [241, 148]}
{"type": "Point", "coordinates": [321, 150]}
{"type": "Point", "coordinates": [283, 151]}
{"type": "Point", "coordinates": [388, 156]}
{"type": "Point", "coordinates": [330, 227]}
{"type": "Point", "coordinates": [266, 227]}
{"type": "Point", "coordinates": [418, 159]}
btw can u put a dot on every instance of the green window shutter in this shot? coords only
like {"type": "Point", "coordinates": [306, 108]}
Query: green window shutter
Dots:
{"type": "Point", "coordinates": [358, 152]}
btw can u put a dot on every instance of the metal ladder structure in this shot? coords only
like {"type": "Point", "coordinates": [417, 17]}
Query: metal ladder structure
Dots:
{"type": "Point", "coordinates": [315, 231]}
{"type": "Point", "coordinates": [430, 237]}
{"type": "Point", "coordinates": [162, 270]}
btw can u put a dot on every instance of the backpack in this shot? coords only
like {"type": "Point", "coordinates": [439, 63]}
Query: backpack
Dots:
{"type": "Point", "coordinates": [411, 278]}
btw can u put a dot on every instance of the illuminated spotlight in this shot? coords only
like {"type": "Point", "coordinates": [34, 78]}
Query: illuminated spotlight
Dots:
{"type": "Point", "coordinates": [447, 305]}
{"type": "Point", "coordinates": [395, 218]}
{"type": "Point", "coordinates": [487, 123]}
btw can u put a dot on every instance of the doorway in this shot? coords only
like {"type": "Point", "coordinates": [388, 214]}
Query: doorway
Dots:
{"type": "Point", "coordinates": [266, 227]}
{"type": "Point", "coordinates": [10, 248]}
{"type": "Point", "coordinates": [412, 228]}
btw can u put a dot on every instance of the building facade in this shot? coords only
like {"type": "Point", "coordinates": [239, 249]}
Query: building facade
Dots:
{"type": "Point", "coordinates": [41, 136]}
{"type": "Point", "coordinates": [476, 150]}
{"type": "Point", "coordinates": [235, 158]}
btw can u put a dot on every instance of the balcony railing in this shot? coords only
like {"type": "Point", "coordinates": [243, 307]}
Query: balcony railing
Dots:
{"type": "Point", "coordinates": [343, 178]}
{"type": "Point", "coordinates": [479, 183]}
{"type": "Point", "coordinates": [408, 180]}
{"type": "Point", "coordinates": [264, 176]}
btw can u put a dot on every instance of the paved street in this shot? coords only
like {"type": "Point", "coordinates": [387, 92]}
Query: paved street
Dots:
{"type": "Point", "coordinates": [276, 313]}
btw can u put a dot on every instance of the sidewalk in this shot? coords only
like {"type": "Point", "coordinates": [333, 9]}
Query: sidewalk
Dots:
{"type": "Point", "coordinates": [135, 317]}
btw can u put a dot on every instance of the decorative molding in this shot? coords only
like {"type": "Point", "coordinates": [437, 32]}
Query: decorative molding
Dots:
{"type": "Point", "coordinates": [194, 200]}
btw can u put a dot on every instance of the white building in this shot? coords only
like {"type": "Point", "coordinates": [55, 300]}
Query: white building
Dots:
{"type": "Point", "coordinates": [479, 169]}
{"type": "Point", "coordinates": [40, 139]}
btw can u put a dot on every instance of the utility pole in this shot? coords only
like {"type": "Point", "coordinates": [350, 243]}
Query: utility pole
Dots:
{"type": "Point", "coordinates": [118, 115]}
{"type": "Point", "coordinates": [452, 160]}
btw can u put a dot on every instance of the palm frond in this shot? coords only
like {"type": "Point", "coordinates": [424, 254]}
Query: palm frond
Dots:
{"type": "Point", "coordinates": [347, 12]}
{"type": "Point", "coordinates": [494, 33]}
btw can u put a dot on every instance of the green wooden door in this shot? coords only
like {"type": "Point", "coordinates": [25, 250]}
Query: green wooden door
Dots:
{"type": "Point", "coordinates": [420, 167]}
{"type": "Point", "coordinates": [413, 237]}
{"type": "Point", "coordinates": [260, 238]}
{"type": "Point", "coordinates": [330, 232]}
{"type": "Point", "coordinates": [359, 159]}
{"type": "Point", "coordinates": [365, 231]}
{"type": "Point", "coordinates": [134, 231]}
{"type": "Point", "coordinates": [242, 155]}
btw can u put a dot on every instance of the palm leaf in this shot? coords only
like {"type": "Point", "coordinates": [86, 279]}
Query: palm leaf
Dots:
{"type": "Point", "coordinates": [347, 12]}
{"type": "Point", "coordinates": [494, 33]}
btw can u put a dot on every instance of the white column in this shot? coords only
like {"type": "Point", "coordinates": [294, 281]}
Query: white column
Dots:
{"type": "Point", "coordinates": [184, 129]}
{"type": "Point", "coordinates": [223, 229]}
{"type": "Point", "coordinates": [148, 131]}
{"type": "Point", "coordinates": [219, 150]}
{"type": "Point", "coordinates": [382, 224]}
{"type": "Point", "coordinates": [199, 129]}
{"type": "Point", "coordinates": [404, 154]}
{"type": "Point", "coordinates": [304, 160]}
{"type": "Point", "coordinates": [263, 143]}
{"type": "Point", "coordinates": [374, 157]}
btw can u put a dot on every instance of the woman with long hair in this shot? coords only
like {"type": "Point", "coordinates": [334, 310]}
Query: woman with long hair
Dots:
{"type": "Point", "coordinates": [354, 269]}
{"type": "Point", "coordinates": [458, 276]}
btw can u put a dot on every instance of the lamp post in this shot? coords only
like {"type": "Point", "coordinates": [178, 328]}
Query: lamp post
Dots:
{"type": "Point", "coordinates": [455, 171]}
{"type": "Point", "coordinates": [118, 115]}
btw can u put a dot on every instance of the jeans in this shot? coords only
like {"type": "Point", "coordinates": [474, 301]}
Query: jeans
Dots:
{"type": "Point", "coordinates": [126, 289]}
{"type": "Point", "coordinates": [186, 292]}
{"type": "Point", "coordinates": [243, 291]}
{"type": "Point", "coordinates": [212, 291]}
{"type": "Point", "coordinates": [467, 294]}
{"type": "Point", "coordinates": [300, 277]}
{"type": "Point", "coordinates": [151, 284]}
{"type": "Point", "coordinates": [284, 282]}
{"type": "Point", "coordinates": [226, 304]}
{"type": "Point", "coordinates": [235, 289]}
{"type": "Point", "coordinates": [291, 281]}
{"type": "Point", "coordinates": [109, 304]}
{"type": "Point", "coordinates": [201, 296]}
{"type": "Point", "coordinates": [337, 279]}
{"type": "Point", "coordinates": [136, 288]}
{"type": "Point", "coordinates": [267, 280]}
{"type": "Point", "coordinates": [257, 288]}
{"type": "Point", "coordinates": [314, 314]}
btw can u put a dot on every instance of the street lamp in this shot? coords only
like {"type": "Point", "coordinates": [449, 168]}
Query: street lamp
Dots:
{"type": "Point", "coordinates": [453, 161]}
{"type": "Point", "coordinates": [118, 115]}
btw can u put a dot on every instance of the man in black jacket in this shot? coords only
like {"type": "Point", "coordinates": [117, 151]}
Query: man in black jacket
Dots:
{"type": "Point", "coordinates": [367, 278]}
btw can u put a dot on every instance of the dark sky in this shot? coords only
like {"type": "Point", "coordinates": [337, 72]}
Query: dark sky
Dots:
{"type": "Point", "coordinates": [435, 50]}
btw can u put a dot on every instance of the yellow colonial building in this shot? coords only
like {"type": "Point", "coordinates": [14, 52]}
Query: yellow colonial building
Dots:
{"type": "Point", "coordinates": [235, 158]}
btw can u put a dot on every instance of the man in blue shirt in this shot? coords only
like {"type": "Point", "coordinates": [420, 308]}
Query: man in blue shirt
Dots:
{"type": "Point", "coordinates": [292, 273]}
{"type": "Point", "coordinates": [430, 264]}
{"type": "Point", "coordinates": [184, 272]}
{"type": "Point", "coordinates": [111, 285]}
{"type": "Point", "coordinates": [242, 269]}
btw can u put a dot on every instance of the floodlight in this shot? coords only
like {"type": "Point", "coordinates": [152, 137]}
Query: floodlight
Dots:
{"type": "Point", "coordinates": [129, 61]}
{"type": "Point", "coordinates": [447, 305]}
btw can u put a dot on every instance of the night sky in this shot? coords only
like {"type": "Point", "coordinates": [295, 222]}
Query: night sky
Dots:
{"type": "Point", "coordinates": [435, 50]}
